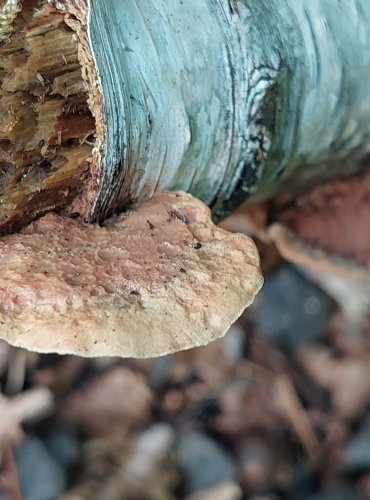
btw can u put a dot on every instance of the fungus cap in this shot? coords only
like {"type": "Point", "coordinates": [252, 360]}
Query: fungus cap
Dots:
{"type": "Point", "coordinates": [293, 249]}
{"type": "Point", "coordinates": [326, 228]}
{"type": "Point", "coordinates": [158, 279]}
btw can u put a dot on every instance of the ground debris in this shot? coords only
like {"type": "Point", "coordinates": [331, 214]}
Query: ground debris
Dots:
{"type": "Point", "coordinates": [254, 415]}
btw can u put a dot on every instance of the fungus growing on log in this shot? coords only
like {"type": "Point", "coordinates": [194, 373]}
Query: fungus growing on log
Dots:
{"type": "Point", "coordinates": [106, 103]}
{"type": "Point", "coordinates": [131, 98]}
{"type": "Point", "coordinates": [159, 279]}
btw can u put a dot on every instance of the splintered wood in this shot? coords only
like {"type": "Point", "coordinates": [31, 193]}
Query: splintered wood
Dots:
{"type": "Point", "coordinates": [46, 128]}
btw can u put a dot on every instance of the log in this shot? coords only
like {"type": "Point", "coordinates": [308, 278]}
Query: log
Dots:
{"type": "Point", "coordinates": [226, 100]}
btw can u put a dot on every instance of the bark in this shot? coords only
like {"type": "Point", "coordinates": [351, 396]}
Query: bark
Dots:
{"type": "Point", "coordinates": [229, 99]}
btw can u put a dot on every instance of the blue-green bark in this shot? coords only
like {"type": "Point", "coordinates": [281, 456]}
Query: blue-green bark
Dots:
{"type": "Point", "coordinates": [229, 99]}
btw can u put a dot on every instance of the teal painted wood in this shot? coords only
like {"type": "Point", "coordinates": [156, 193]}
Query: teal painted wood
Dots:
{"type": "Point", "coordinates": [229, 99]}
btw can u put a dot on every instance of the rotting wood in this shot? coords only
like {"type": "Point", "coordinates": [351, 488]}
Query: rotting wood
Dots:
{"type": "Point", "coordinates": [46, 127]}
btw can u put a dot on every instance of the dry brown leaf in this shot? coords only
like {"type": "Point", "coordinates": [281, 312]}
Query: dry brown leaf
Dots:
{"type": "Point", "coordinates": [27, 407]}
{"type": "Point", "coordinates": [115, 401]}
{"type": "Point", "coordinates": [348, 379]}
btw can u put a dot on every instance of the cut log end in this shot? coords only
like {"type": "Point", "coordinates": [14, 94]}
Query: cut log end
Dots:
{"type": "Point", "coordinates": [47, 131]}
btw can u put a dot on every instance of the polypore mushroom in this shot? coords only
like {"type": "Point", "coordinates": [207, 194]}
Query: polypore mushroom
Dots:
{"type": "Point", "coordinates": [159, 279]}
{"type": "Point", "coordinates": [327, 228]}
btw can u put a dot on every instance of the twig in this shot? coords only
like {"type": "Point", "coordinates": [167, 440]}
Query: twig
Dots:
{"type": "Point", "coordinates": [9, 481]}
{"type": "Point", "coordinates": [16, 371]}
{"type": "Point", "coordinates": [289, 401]}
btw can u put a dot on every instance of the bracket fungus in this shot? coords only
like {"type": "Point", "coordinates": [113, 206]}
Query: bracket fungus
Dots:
{"type": "Point", "coordinates": [326, 228]}
{"type": "Point", "coordinates": [159, 279]}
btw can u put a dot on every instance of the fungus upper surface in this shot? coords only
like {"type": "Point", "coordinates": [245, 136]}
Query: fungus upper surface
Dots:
{"type": "Point", "coordinates": [327, 228]}
{"type": "Point", "coordinates": [159, 279]}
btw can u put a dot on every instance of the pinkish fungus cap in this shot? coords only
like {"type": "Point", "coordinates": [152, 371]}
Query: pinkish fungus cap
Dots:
{"type": "Point", "coordinates": [159, 279]}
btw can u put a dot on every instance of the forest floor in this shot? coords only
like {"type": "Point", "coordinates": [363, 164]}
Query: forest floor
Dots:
{"type": "Point", "coordinates": [278, 409]}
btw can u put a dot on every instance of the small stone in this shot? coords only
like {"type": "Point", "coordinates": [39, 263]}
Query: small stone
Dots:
{"type": "Point", "coordinates": [151, 449]}
{"type": "Point", "coordinates": [161, 370]}
{"type": "Point", "coordinates": [291, 310]}
{"type": "Point", "coordinates": [233, 343]}
{"type": "Point", "coordinates": [224, 491]}
{"type": "Point", "coordinates": [204, 463]}
{"type": "Point", "coordinates": [62, 442]}
{"type": "Point", "coordinates": [357, 452]}
{"type": "Point", "coordinates": [41, 477]}
{"type": "Point", "coordinates": [339, 491]}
